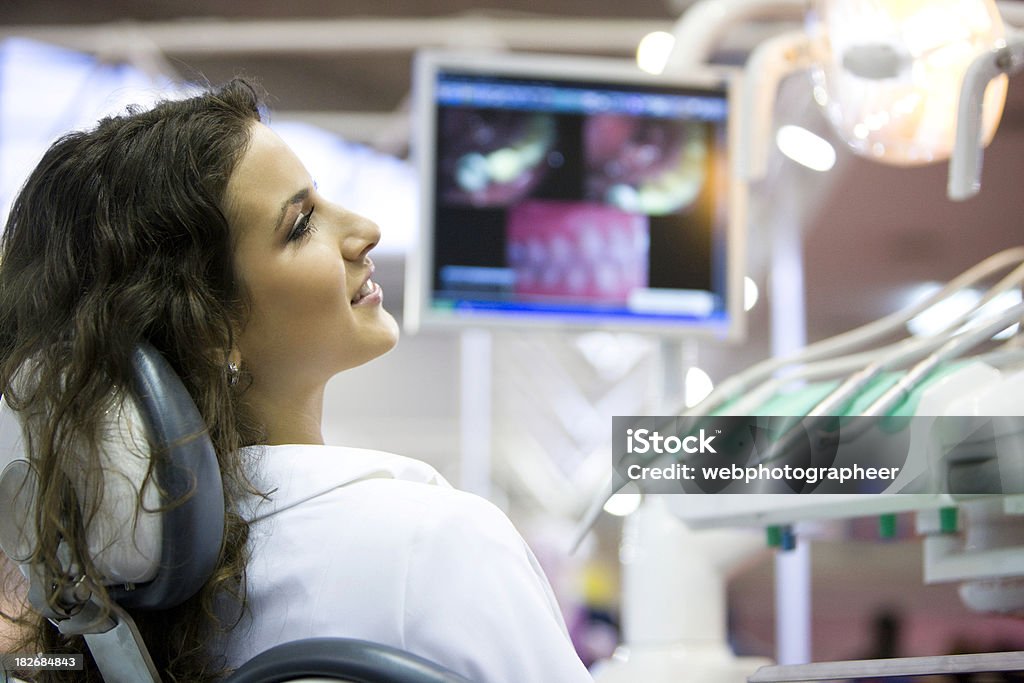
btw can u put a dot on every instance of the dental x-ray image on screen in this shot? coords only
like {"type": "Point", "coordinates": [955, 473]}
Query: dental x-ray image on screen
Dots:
{"type": "Point", "coordinates": [573, 192]}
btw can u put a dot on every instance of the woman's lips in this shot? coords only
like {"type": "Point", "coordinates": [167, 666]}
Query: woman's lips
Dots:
{"type": "Point", "coordinates": [369, 294]}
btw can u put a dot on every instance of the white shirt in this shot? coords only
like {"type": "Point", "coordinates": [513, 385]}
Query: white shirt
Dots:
{"type": "Point", "coordinates": [364, 544]}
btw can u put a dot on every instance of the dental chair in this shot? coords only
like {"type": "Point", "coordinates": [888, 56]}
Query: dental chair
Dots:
{"type": "Point", "coordinates": [158, 555]}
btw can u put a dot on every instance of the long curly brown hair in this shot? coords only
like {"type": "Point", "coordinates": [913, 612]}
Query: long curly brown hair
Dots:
{"type": "Point", "coordinates": [119, 235]}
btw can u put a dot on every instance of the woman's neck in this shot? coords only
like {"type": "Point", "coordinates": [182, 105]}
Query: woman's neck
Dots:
{"type": "Point", "coordinates": [288, 414]}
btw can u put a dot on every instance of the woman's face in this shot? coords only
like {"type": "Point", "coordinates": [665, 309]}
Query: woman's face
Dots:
{"type": "Point", "coordinates": [303, 266]}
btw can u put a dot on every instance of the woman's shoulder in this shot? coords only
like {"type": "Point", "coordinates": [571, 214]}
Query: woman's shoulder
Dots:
{"type": "Point", "coordinates": [300, 476]}
{"type": "Point", "coordinates": [377, 515]}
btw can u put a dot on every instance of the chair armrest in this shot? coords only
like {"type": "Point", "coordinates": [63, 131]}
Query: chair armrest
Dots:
{"type": "Point", "coordinates": [357, 661]}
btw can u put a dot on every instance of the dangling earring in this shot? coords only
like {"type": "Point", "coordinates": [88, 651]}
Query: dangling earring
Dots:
{"type": "Point", "coordinates": [233, 374]}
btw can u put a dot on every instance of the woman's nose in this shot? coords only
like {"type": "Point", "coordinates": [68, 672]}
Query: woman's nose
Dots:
{"type": "Point", "coordinates": [359, 237]}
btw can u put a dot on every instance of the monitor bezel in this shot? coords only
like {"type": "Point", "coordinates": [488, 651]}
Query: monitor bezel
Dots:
{"type": "Point", "coordinates": [418, 313]}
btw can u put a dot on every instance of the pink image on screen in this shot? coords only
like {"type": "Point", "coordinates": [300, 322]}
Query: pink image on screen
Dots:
{"type": "Point", "coordinates": [577, 250]}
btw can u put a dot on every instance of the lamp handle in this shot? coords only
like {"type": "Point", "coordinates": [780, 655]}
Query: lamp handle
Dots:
{"type": "Point", "coordinates": [965, 160]}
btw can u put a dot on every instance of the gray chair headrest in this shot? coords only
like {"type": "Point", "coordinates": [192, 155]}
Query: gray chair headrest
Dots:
{"type": "Point", "coordinates": [154, 555]}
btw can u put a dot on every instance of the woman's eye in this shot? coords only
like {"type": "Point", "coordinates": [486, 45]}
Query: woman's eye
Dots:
{"type": "Point", "coordinates": [303, 227]}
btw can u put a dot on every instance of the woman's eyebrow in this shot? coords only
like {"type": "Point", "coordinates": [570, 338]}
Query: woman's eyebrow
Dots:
{"type": "Point", "coordinates": [297, 198]}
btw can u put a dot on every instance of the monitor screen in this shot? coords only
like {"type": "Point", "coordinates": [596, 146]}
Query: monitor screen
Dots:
{"type": "Point", "coordinates": [570, 192]}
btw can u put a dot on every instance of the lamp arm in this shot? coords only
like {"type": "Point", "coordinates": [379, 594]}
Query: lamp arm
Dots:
{"type": "Point", "coordinates": [767, 66]}
{"type": "Point", "coordinates": [965, 160]}
{"type": "Point", "coordinates": [702, 25]}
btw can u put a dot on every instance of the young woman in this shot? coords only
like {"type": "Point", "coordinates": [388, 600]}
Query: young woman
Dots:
{"type": "Point", "coordinates": [194, 227]}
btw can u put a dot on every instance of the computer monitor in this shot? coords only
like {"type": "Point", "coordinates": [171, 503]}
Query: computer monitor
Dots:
{"type": "Point", "coordinates": [574, 193]}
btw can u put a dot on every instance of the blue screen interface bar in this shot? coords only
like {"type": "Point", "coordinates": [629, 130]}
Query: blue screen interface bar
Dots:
{"type": "Point", "coordinates": [468, 91]}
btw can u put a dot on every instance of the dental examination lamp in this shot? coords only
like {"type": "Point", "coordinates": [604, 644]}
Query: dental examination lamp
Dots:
{"type": "Point", "coordinates": [910, 83]}
{"type": "Point", "coordinates": [902, 82]}
{"type": "Point", "coordinates": [888, 74]}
